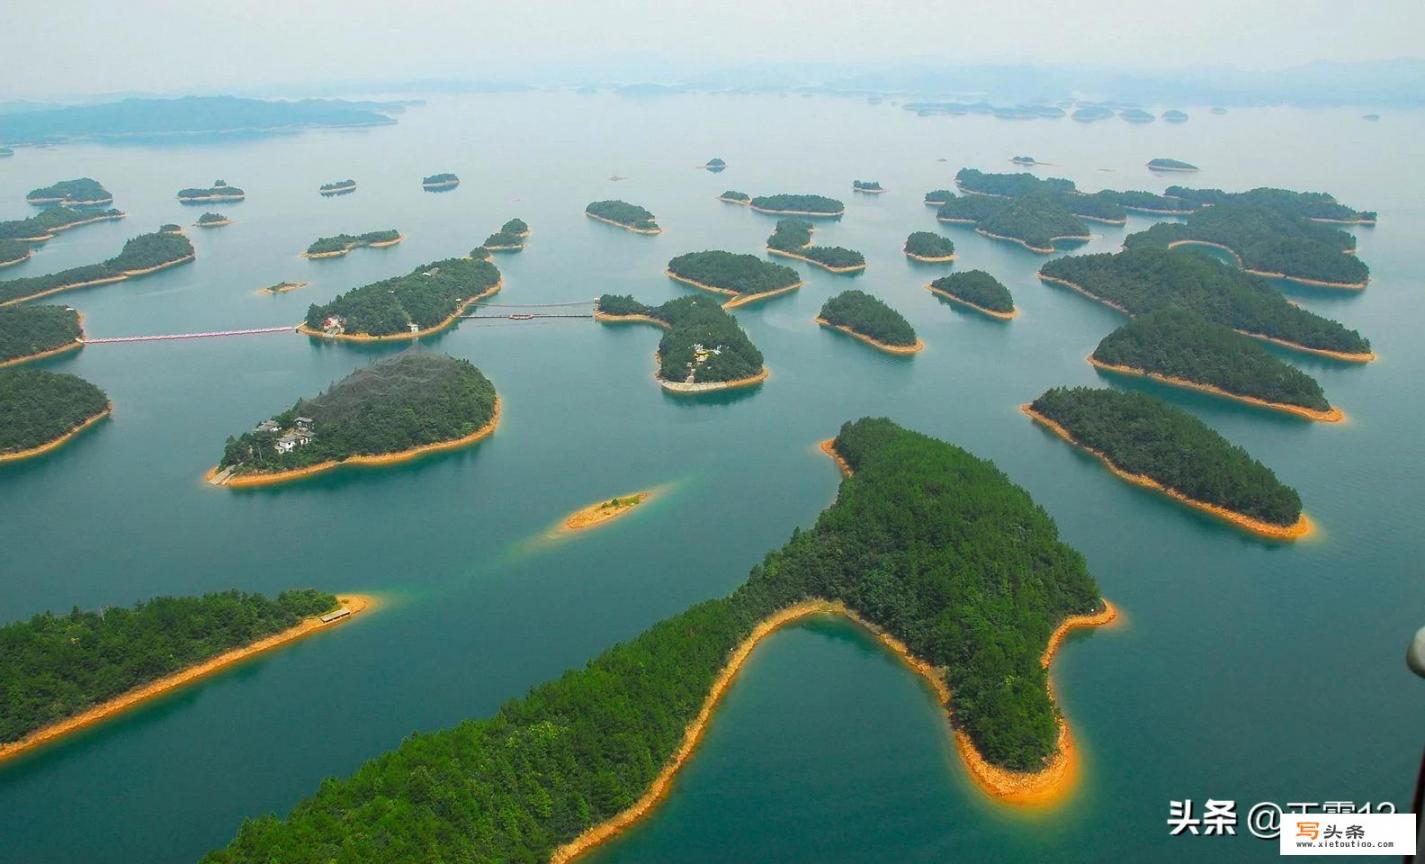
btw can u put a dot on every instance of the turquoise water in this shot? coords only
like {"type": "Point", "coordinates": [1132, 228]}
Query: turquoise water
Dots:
{"type": "Point", "coordinates": [1243, 670]}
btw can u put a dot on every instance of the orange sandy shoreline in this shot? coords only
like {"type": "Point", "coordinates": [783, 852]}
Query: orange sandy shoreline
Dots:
{"type": "Point", "coordinates": [941, 259]}
{"type": "Point", "coordinates": [855, 268]}
{"type": "Point", "coordinates": [60, 441]}
{"type": "Point", "coordinates": [1333, 415]}
{"type": "Point", "coordinates": [356, 603]}
{"type": "Point", "coordinates": [648, 231]}
{"type": "Point", "coordinates": [841, 212]}
{"type": "Point", "coordinates": [216, 477]}
{"type": "Point", "coordinates": [993, 313]}
{"type": "Point", "coordinates": [900, 350]}
{"type": "Point", "coordinates": [119, 277]}
{"type": "Point", "coordinates": [597, 514]}
{"type": "Point", "coordinates": [1302, 527]}
{"type": "Point", "coordinates": [1042, 250]}
{"type": "Point", "coordinates": [218, 224]}
{"type": "Point", "coordinates": [737, 299]}
{"type": "Point", "coordinates": [1300, 280]}
{"type": "Point", "coordinates": [680, 387]}
{"type": "Point", "coordinates": [398, 337]}
{"type": "Point", "coordinates": [51, 352]}
{"type": "Point", "coordinates": [337, 253]}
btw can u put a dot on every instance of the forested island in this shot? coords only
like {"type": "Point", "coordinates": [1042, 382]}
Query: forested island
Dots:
{"type": "Point", "coordinates": [213, 220]}
{"type": "Point", "coordinates": [629, 217]}
{"type": "Point", "coordinates": [1170, 164]}
{"type": "Point", "coordinates": [13, 252]}
{"type": "Point", "coordinates": [870, 187]}
{"type": "Point", "coordinates": [41, 410]}
{"type": "Point", "coordinates": [975, 591]}
{"type": "Point", "coordinates": [704, 348]}
{"type": "Point", "coordinates": [734, 197]}
{"type": "Point", "coordinates": [429, 298]}
{"type": "Point", "coordinates": [870, 320]}
{"type": "Point", "coordinates": [792, 239]}
{"type": "Point", "coordinates": [1181, 348]}
{"type": "Point", "coordinates": [31, 332]}
{"type": "Point", "coordinates": [141, 255]}
{"type": "Point", "coordinates": [1008, 185]}
{"type": "Point", "coordinates": [45, 224]}
{"type": "Point", "coordinates": [1035, 221]}
{"type": "Point", "coordinates": [83, 192]}
{"type": "Point", "coordinates": [715, 165]}
{"type": "Point", "coordinates": [1103, 206]}
{"type": "Point", "coordinates": [1315, 206]}
{"type": "Point", "coordinates": [928, 247]}
{"type": "Point", "coordinates": [396, 409]}
{"type": "Point", "coordinates": [338, 187]}
{"type": "Point", "coordinates": [1267, 242]}
{"type": "Point", "coordinates": [1024, 160]}
{"type": "Point", "coordinates": [979, 291]}
{"type": "Point", "coordinates": [334, 247]}
{"type": "Point", "coordinates": [746, 278]}
{"type": "Point", "coordinates": [219, 191]}
{"type": "Point", "coordinates": [964, 209]}
{"type": "Point", "coordinates": [283, 287]}
{"type": "Point", "coordinates": [510, 237]}
{"type": "Point", "coordinates": [437, 182]}
{"type": "Point", "coordinates": [1149, 443]}
{"type": "Point", "coordinates": [1142, 280]}
{"type": "Point", "coordinates": [61, 673]}
{"type": "Point", "coordinates": [798, 205]}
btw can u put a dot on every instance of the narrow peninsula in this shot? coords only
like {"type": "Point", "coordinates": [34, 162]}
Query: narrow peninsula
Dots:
{"type": "Point", "coordinates": [14, 252]}
{"type": "Point", "coordinates": [622, 214]}
{"type": "Point", "coordinates": [427, 300]}
{"type": "Point", "coordinates": [64, 673]}
{"type": "Point", "coordinates": [977, 290]}
{"type": "Point", "coordinates": [704, 349]}
{"type": "Point", "coordinates": [339, 245]}
{"type": "Point", "coordinates": [975, 593]}
{"type": "Point", "coordinates": [35, 332]}
{"type": "Point", "coordinates": [792, 239]}
{"type": "Point", "coordinates": [41, 410]}
{"type": "Point", "coordinates": [47, 223]}
{"type": "Point", "coordinates": [144, 254]}
{"type": "Point", "coordinates": [870, 320]}
{"type": "Point", "coordinates": [1149, 443]}
{"type": "Point", "coordinates": [394, 410]}
{"type": "Point", "coordinates": [929, 248]}
{"type": "Point", "coordinates": [510, 238]}
{"type": "Point", "coordinates": [219, 191]}
{"type": "Point", "coordinates": [744, 278]}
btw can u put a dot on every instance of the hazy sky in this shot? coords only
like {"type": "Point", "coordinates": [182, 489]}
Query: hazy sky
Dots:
{"type": "Point", "coordinates": [63, 47]}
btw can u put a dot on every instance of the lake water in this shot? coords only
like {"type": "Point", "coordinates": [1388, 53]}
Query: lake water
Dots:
{"type": "Point", "coordinates": [1243, 670]}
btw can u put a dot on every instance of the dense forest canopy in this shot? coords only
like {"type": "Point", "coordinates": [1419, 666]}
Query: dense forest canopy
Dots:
{"type": "Point", "coordinates": [44, 224]}
{"type": "Point", "coordinates": [703, 343]}
{"type": "Point", "coordinates": [794, 237]}
{"type": "Point", "coordinates": [84, 190]}
{"type": "Point", "coordinates": [927, 541]}
{"type": "Point", "coordinates": [1266, 239]}
{"type": "Point", "coordinates": [870, 317]}
{"type": "Point", "coordinates": [1143, 435]}
{"type": "Point", "coordinates": [819, 205]}
{"type": "Point", "coordinates": [624, 213]}
{"type": "Point", "coordinates": [977, 287]}
{"type": "Point", "coordinates": [393, 405]}
{"type": "Point", "coordinates": [210, 218]}
{"type": "Point", "coordinates": [439, 179]}
{"type": "Point", "coordinates": [1008, 185]}
{"type": "Point", "coordinates": [1180, 344]}
{"type": "Point", "coordinates": [143, 252]}
{"type": "Point", "coordinates": [733, 195]}
{"type": "Point", "coordinates": [338, 185]}
{"type": "Point", "coordinates": [741, 274]}
{"type": "Point", "coordinates": [1105, 206]}
{"type": "Point", "coordinates": [38, 406]}
{"type": "Point", "coordinates": [1142, 280]}
{"type": "Point", "coordinates": [28, 330]}
{"type": "Point", "coordinates": [516, 226]}
{"type": "Point", "coordinates": [965, 208]}
{"type": "Point", "coordinates": [867, 185]}
{"type": "Point", "coordinates": [219, 190]}
{"type": "Point", "coordinates": [1306, 205]}
{"type": "Point", "coordinates": [425, 297]}
{"type": "Point", "coordinates": [1162, 164]}
{"type": "Point", "coordinates": [1036, 220]}
{"type": "Point", "coordinates": [924, 244]}
{"type": "Point", "coordinates": [12, 251]}
{"type": "Point", "coordinates": [347, 242]}
{"type": "Point", "coordinates": [55, 666]}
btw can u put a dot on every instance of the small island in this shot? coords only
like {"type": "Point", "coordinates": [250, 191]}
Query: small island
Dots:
{"type": "Point", "coordinates": [1180, 348]}
{"type": "Point", "coordinates": [1136, 115]}
{"type": "Point", "coordinates": [975, 593]}
{"type": "Point", "coordinates": [979, 291]}
{"type": "Point", "coordinates": [1149, 443]}
{"type": "Point", "coordinates": [144, 254]}
{"type": "Point", "coordinates": [440, 182]}
{"type": "Point", "coordinates": [14, 252]}
{"type": "Point", "coordinates": [1266, 242]}
{"type": "Point", "coordinates": [1092, 113]}
{"type": "Point", "coordinates": [338, 187]}
{"type": "Point", "coordinates": [41, 410]}
{"type": "Point", "coordinates": [604, 512]}
{"type": "Point", "coordinates": [35, 332]}
{"type": "Point", "coordinates": [170, 228]}
{"type": "Point", "coordinates": [733, 197]}
{"type": "Point", "coordinates": [1173, 115]}
{"type": "Point", "coordinates": [792, 239]}
{"type": "Point", "coordinates": [745, 278]}
{"type": "Point", "coordinates": [704, 349]}
{"type": "Point", "coordinates": [510, 238]}
{"type": "Point", "coordinates": [622, 214]}
{"type": "Point", "coordinates": [427, 300]}
{"type": "Point", "coordinates": [867, 187]}
{"type": "Point", "coordinates": [219, 191]}
{"type": "Point", "coordinates": [929, 248]}
{"type": "Point", "coordinates": [798, 205]}
{"type": "Point", "coordinates": [715, 165]}
{"type": "Point", "coordinates": [67, 672]}
{"type": "Point", "coordinates": [213, 220]}
{"type": "Point", "coordinates": [83, 192]}
{"type": "Point", "coordinates": [393, 410]}
{"type": "Point", "coordinates": [283, 287]}
{"type": "Point", "coordinates": [46, 224]}
{"type": "Point", "coordinates": [1025, 160]}
{"type": "Point", "coordinates": [868, 319]}
{"type": "Point", "coordinates": [1141, 280]}
{"type": "Point", "coordinates": [335, 247]}
{"type": "Point", "coordinates": [1170, 164]}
